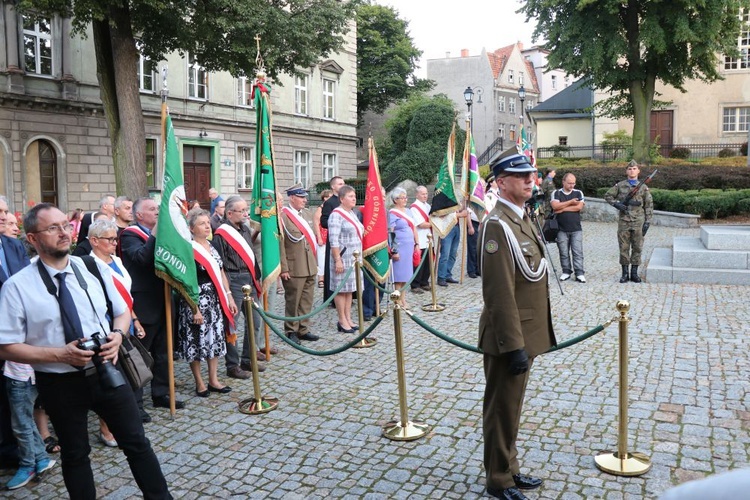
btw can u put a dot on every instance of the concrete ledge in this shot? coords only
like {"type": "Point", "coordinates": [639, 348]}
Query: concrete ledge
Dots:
{"type": "Point", "coordinates": [691, 252]}
{"type": "Point", "coordinates": [726, 237]}
{"type": "Point", "coordinates": [659, 268]}
{"type": "Point", "coordinates": [598, 210]}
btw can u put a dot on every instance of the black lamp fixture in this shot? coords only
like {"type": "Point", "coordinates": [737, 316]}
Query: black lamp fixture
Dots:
{"type": "Point", "coordinates": [203, 133]}
{"type": "Point", "coordinates": [469, 97]}
{"type": "Point", "coordinates": [522, 95]}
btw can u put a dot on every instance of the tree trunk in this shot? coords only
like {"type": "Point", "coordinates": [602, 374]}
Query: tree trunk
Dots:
{"type": "Point", "coordinates": [642, 98]}
{"type": "Point", "coordinates": [117, 71]}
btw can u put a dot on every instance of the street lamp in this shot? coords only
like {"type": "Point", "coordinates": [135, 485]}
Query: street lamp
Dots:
{"type": "Point", "coordinates": [522, 97]}
{"type": "Point", "coordinates": [469, 98]}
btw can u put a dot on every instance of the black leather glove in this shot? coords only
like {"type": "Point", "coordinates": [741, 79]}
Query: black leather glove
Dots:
{"type": "Point", "coordinates": [519, 361]}
{"type": "Point", "coordinates": [646, 225]}
{"type": "Point", "coordinates": [619, 206]}
{"type": "Point", "coordinates": [635, 203]}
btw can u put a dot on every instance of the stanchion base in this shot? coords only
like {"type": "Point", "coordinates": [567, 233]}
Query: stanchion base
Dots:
{"type": "Point", "coordinates": [634, 464]}
{"type": "Point", "coordinates": [433, 307]}
{"type": "Point", "coordinates": [409, 432]}
{"type": "Point", "coordinates": [252, 406]}
{"type": "Point", "coordinates": [366, 342]}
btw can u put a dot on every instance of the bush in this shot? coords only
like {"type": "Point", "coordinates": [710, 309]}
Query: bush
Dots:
{"type": "Point", "coordinates": [708, 203]}
{"type": "Point", "coordinates": [683, 153]}
{"type": "Point", "coordinates": [726, 153]}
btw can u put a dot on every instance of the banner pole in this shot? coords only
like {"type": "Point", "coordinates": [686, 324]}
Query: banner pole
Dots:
{"type": "Point", "coordinates": [434, 306]}
{"type": "Point", "coordinates": [366, 342]}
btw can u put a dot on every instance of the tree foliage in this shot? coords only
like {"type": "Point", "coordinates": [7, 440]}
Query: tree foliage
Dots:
{"type": "Point", "coordinates": [386, 60]}
{"type": "Point", "coordinates": [418, 135]}
{"type": "Point", "coordinates": [219, 33]}
{"type": "Point", "coordinates": [626, 46]}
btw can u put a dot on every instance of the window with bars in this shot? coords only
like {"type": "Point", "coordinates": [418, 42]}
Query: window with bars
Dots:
{"type": "Point", "coordinates": [302, 168]}
{"type": "Point", "coordinates": [736, 119]}
{"type": "Point", "coordinates": [245, 92]}
{"type": "Point", "coordinates": [562, 140]}
{"type": "Point", "coordinates": [197, 79]}
{"type": "Point", "coordinates": [151, 163]}
{"type": "Point", "coordinates": [329, 166]}
{"type": "Point", "coordinates": [300, 95]}
{"type": "Point", "coordinates": [743, 44]}
{"type": "Point", "coordinates": [245, 167]}
{"type": "Point", "coordinates": [146, 70]}
{"type": "Point", "coordinates": [37, 45]}
{"type": "Point", "coordinates": [329, 99]}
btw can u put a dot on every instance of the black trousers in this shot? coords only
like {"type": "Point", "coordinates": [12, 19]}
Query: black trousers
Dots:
{"type": "Point", "coordinates": [67, 399]}
{"type": "Point", "coordinates": [156, 343]}
{"type": "Point", "coordinates": [471, 250]}
{"type": "Point", "coordinates": [423, 278]}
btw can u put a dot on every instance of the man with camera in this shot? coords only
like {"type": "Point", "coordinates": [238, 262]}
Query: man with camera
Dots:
{"type": "Point", "coordinates": [59, 336]}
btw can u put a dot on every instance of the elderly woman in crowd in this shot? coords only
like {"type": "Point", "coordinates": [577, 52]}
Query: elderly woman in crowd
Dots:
{"type": "Point", "coordinates": [103, 240]}
{"type": "Point", "coordinates": [345, 237]}
{"type": "Point", "coordinates": [200, 335]}
{"type": "Point", "coordinates": [406, 240]}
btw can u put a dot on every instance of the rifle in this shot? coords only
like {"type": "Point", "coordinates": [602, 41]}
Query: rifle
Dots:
{"type": "Point", "coordinates": [634, 191]}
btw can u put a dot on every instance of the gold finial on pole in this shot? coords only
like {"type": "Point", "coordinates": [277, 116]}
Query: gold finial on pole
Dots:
{"type": "Point", "coordinates": [258, 404]}
{"type": "Point", "coordinates": [402, 430]}
{"type": "Point", "coordinates": [434, 307]}
{"type": "Point", "coordinates": [367, 341]}
{"type": "Point", "coordinates": [622, 462]}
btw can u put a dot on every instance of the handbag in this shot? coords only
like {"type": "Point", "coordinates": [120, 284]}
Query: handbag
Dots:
{"type": "Point", "coordinates": [550, 229]}
{"type": "Point", "coordinates": [136, 362]}
{"type": "Point", "coordinates": [416, 257]}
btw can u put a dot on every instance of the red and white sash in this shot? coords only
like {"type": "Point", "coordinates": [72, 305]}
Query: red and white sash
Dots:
{"type": "Point", "coordinates": [136, 230]}
{"type": "Point", "coordinates": [405, 217]}
{"type": "Point", "coordinates": [122, 289]}
{"type": "Point", "coordinates": [243, 249]}
{"type": "Point", "coordinates": [351, 220]}
{"type": "Point", "coordinates": [425, 217]}
{"type": "Point", "coordinates": [304, 228]}
{"type": "Point", "coordinates": [204, 258]}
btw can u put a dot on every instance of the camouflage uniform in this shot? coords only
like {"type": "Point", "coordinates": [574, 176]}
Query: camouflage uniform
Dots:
{"type": "Point", "coordinates": [548, 187]}
{"type": "Point", "coordinates": [630, 226]}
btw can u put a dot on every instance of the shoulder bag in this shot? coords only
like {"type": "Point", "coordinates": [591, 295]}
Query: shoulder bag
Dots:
{"type": "Point", "coordinates": [551, 228]}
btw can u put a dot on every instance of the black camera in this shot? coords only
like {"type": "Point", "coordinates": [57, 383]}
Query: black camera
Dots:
{"type": "Point", "coordinates": [109, 377]}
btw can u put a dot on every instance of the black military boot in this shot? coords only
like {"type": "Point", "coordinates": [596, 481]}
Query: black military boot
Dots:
{"type": "Point", "coordinates": [634, 274]}
{"type": "Point", "coordinates": [624, 278]}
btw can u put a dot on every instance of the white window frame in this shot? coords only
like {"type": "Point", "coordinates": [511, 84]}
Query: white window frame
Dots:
{"type": "Point", "coordinates": [501, 130]}
{"type": "Point", "coordinates": [743, 44]}
{"type": "Point", "coordinates": [302, 167]}
{"type": "Point", "coordinates": [553, 80]}
{"type": "Point", "coordinates": [301, 94]}
{"type": "Point", "coordinates": [511, 105]}
{"type": "Point", "coordinates": [501, 104]}
{"type": "Point", "coordinates": [520, 78]}
{"type": "Point", "coordinates": [735, 119]}
{"type": "Point", "coordinates": [329, 99]}
{"type": "Point", "coordinates": [245, 167]}
{"type": "Point", "coordinates": [330, 163]}
{"type": "Point", "coordinates": [142, 62]}
{"type": "Point", "coordinates": [37, 37]}
{"type": "Point", "coordinates": [244, 92]}
{"type": "Point", "coordinates": [196, 74]}
{"type": "Point", "coordinates": [510, 76]}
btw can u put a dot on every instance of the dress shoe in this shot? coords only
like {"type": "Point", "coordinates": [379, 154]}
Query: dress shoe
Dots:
{"type": "Point", "coordinates": [525, 482]}
{"type": "Point", "coordinates": [442, 283]}
{"type": "Point", "coordinates": [201, 394]}
{"type": "Point", "coordinates": [309, 336]}
{"type": "Point", "coordinates": [112, 443]}
{"type": "Point", "coordinates": [237, 372]}
{"type": "Point", "coordinates": [293, 337]}
{"type": "Point", "coordinates": [451, 280]}
{"type": "Point", "coordinates": [145, 417]}
{"type": "Point", "coordinates": [512, 493]}
{"type": "Point", "coordinates": [220, 390]}
{"type": "Point", "coordinates": [417, 290]}
{"type": "Point", "coordinates": [274, 350]}
{"type": "Point", "coordinates": [163, 402]}
{"type": "Point", "coordinates": [426, 288]}
{"type": "Point", "coordinates": [367, 318]}
{"type": "Point", "coordinates": [248, 369]}
{"type": "Point", "coordinates": [344, 330]}
{"type": "Point", "coordinates": [472, 275]}
{"type": "Point", "coordinates": [260, 356]}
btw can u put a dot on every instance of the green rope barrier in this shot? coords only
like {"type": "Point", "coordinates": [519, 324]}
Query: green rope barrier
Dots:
{"type": "Point", "coordinates": [329, 352]}
{"type": "Point", "coordinates": [468, 347]}
{"type": "Point", "coordinates": [406, 285]}
{"type": "Point", "coordinates": [320, 307]}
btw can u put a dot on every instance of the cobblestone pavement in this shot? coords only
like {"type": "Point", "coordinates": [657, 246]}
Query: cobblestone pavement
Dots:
{"type": "Point", "coordinates": [688, 403]}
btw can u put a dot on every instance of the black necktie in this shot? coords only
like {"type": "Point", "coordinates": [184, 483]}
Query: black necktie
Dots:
{"type": "Point", "coordinates": [70, 320]}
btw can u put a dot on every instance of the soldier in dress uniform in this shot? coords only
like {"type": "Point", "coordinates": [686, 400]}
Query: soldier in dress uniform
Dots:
{"type": "Point", "coordinates": [635, 219]}
{"type": "Point", "coordinates": [299, 263]}
{"type": "Point", "coordinates": [515, 325]}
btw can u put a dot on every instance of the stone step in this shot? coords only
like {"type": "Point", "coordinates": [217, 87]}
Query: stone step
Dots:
{"type": "Point", "coordinates": [691, 252]}
{"type": "Point", "coordinates": [726, 237]}
{"type": "Point", "coordinates": [660, 270]}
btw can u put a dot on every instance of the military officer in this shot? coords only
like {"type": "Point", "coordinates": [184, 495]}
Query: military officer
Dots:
{"type": "Point", "coordinates": [299, 263]}
{"type": "Point", "coordinates": [635, 219]}
{"type": "Point", "coordinates": [515, 325]}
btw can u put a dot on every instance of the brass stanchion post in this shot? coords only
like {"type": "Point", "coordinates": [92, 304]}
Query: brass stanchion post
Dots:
{"type": "Point", "coordinates": [258, 404]}
{"type": "Point", "coordinates": [367, 341]}
{"type": "Point", "coordinates": [402, 430]}
{"type": "Point", "coordinates": [434, 306]}
{"type": "Point", "coordinates": [622, 462]}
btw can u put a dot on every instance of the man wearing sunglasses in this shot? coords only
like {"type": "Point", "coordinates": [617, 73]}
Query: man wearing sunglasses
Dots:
{"type": "Point", "coordinates": [515, 325]}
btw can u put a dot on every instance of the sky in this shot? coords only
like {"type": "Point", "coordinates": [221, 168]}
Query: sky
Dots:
{"type": "Point", "coordinates": [440, 26]}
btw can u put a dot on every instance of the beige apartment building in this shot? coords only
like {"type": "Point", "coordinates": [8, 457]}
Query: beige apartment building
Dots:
{"type": "Point", "coordinates": [54, 144]}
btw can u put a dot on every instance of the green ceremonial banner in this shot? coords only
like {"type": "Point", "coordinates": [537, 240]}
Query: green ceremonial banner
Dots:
{"type": "Point", "coordinates": [444, 201]}
{"type": "Point", "coordinates": [173, 257]}
{"type": "Point", "coordinates": [264, 208]}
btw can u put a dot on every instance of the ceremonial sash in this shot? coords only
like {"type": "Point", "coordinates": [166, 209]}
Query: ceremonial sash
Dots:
{"type": "Point", "coordinates": [404, 217]}
{"type": "Point", "coordinates": [304, 228]}
{"type": "Point", "coordinates": [119, 282]}
{"type": "Point", "coordinates": [136, 230]}
{"type": "Point", "coordinates": [243, 249]}
{"type": "Point", "coordinates": [425, 217]}
{"type": "Point", "coordinates": [204, 258]}
{"type": "Point", "coordinates": [351, 220]}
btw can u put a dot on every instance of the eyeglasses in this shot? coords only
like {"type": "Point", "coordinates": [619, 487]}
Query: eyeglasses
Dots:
{"type": "Point", "coordinates": [57, 229]}
{"type": "Point", "coordinates": [112, 240]}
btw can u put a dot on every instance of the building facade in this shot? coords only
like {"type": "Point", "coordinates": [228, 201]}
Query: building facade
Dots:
{"type": "Point", "coordinates": [54, 143]}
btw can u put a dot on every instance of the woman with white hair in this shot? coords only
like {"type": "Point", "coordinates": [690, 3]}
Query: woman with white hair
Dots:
{"type": "Point", "coordinates": [403, 225]}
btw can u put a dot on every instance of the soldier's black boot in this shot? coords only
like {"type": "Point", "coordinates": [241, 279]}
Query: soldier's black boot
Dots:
{"type": "Point", "coordinates": [634, 274]}
{"type": "Point", "coordinates": [624, 278]}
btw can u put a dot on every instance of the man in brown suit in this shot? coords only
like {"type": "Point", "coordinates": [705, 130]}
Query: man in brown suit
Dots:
{"type": "Point", "coordinates": [299, 263]}
{"type": "Point", "coordinates": [515, 325]}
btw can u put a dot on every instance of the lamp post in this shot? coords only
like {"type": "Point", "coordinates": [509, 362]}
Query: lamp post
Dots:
{"type": "Point", "coordinates": [522, 97]}
{"type": "Point", "coordinates": [469, 98]}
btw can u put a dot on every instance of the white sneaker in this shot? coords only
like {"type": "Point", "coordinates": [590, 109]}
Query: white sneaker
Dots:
{"type": "Point", "coordinates": [581, 278]}
{"type": "Point", "coordinates": [564, 277]}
